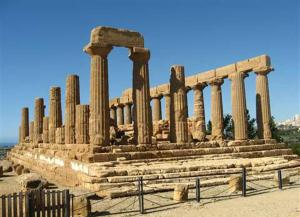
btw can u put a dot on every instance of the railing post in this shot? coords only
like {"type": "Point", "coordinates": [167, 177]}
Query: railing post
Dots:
{"type": "Point", "coordinates": [279, 180]}
{"type": "Point", "coordinates": [198, 189]}
{"type": "Point", "coordinates": [244, 189]}
{"type": "Point", "coordinates": [141, 195]}
{"type": "Point", "coordinates": [67, 203]}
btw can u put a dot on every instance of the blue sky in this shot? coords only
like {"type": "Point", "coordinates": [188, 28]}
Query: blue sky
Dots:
{"type": "Point", "coordinates": [41, 43]}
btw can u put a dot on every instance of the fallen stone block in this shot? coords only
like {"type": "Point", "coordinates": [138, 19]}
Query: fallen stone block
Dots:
{"type": "Point", "coordinates": [19, 170]}
{"type": "Point", "coordinates": [285, 177]}
{"type": "Point", "coordinates": [181, 192]}
{"type": "Point", "coordinates": [235, 183]}
{"type": "Point", "coordinates": [32, 181]}
{"type": "Point", "coordinates": [6, 166]}
{"type": "Point", "coordinates": [81, 206]}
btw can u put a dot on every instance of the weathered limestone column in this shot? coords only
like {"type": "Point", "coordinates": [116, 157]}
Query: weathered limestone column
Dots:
{"type": "Point", "coordinates": [99, 97]}
{"type": "Point", "coordinates": [239, 109]}
{"type": "Point", "coordinates": [156, 111]}
{"type": "Point", "coordinates": [72, 99]}
{"type": "Point", "coordinates": [128, 113]}
{"type": "Point", "coordinates": [39, 112]}
{"type": "Point", "coordinates": [113, 113]}
{"type": "Point", "coordinates": [60, 135]}
{"type": "Point", "coordinates": [199, 112]}
{"type": "Point", "coordinates": [141, 96]}
{"type": "Point", "coordinates": [167, 106]}
{"type": "Point", "coordinates": [55, 116]}
{"type": "Point", "coordinates": [263, 109]}
{"type": "Point", "coordinates": [120, 114]}
{"type": "Point", "coordinates": [24, 124]}
{"type": "Point", "coordinates": [31, 131]}
{"type": "Point", "coordinates": [46, 130]}
{"type": "Point", "coordinates": [82, 124]}
{"type": "Point", "coordinates": [19, 139]}
{"type": "Point", "coordinates": [216, 109]}
{"type": "Point", "coordinates": [178, 115]}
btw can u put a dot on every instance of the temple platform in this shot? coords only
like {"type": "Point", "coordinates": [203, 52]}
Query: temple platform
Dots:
{"type": "Point", "coordinates": [114, 170]}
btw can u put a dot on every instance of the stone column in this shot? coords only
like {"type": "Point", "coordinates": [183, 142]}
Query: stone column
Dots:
{"type": "Point", "coordinates": [72, 99]}
{"type": "Point", "coordinates": [263, 109]}
{"type": "Point", "coordinates": [31, 131]}
{"type": "Point", "coordinates": [178, 115]}
{"type": "Point", "coordinates": [60, 135]}
{"type": "Point", "coordinates": [199, 112]}
{"type": "Point", "coordinates": [127, 113]}
{"type": "Point", "coordinates": [141, 96]}
{"type": "Point", "coordinates": [113, 113]}
{"type": "Point", "coordinates": [120, 114]}
{"type": "Point", "coordinates": [216, 109]}
{"type": "Point", "coordinates": [19, 139]}
{"type": "Point", "coordinates": [39, 112]}
{"type": "Point", "coordinates": [167, 106]}
{"type": "Point", "coordinates": [82, 124]}
{"type": "Point", "coordinates": [46, 130]}
{"type": "Point", "coordinates": [156, 111]}
{"type": "Point", "coordinates": [55, 116]}
{"type": "Point", "coordinates": [24, 124]}
{"type": "Point", "coordinates": [239, 109]}
{"type": "Point", "coordinates": [99, 122]}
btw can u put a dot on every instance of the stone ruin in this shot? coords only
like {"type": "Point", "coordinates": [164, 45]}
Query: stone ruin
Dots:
{"type": "Point", "coordinates": [106, 145]}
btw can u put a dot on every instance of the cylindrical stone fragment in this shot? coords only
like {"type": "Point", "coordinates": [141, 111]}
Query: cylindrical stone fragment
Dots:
{"type": "Point", "coordinates": [31, 131]}
{"type": "Point", "coordinates": [216, 109]}
{"type": "Point", "coordinates": [239, 109]}
{"type": "Point", "coordinates": [46, 129]}
{"type": "Point", "coordinates": [72, 99]}
{"type": "Point", "coordinates": [24, 124]}
{"type": "Point", "coordinates": [178, 115]}
{"type": "Point", "coordinates": [128, 113]}
{"type": "Point", "coordinates": [82, 124]}
{"type": "Point", "coordinates": [120, 115]}
{"type": "Point", "coordinates": [199, 112]}
{"type": "Point", "coordinates": [99, 97]}
{"type": "Point", "coordinates": [263, 109]}
{"type": "Point", "coordinates": [156, 111]}
{"type": "Point", "coordinates": [39, 112]}
{"type": "Point", "coordinates": [55, 116]}
{"type": "Point", "coordinates": [143, 125]}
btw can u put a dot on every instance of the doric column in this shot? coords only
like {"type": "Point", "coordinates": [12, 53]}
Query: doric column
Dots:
{"type": "Point", "coordinates": [55, 116]}
{"type": "Point", "coordinates": [82, 124]}
{"type": "Point", "coordinates": [39, 112]}
{"type": "Point", "coordinates": [60, 135]}
{"type": "Point", "coordinates": [187, 89]}
{"type": "Point", "coordinates": [263, 109]}
{"type": "Point", "coordinates": [199, 112]}
{"type": "Point", "coordinates": [239, 109]}
{"type": "Point", "coordinates": [128, 113]}
{"type": "Point", "coordinates": [72, 99]}
{"type": "Point", "coordinates": [178, 115]}
{"type": "Point", "coordinates": [156, 111]}
{"type": "Point", "coordinates": [141, 95]}
{"type": "Point", "coordinates": [46, 129]}
{"type": "Point", "coordinates": [167, 106]}
{"type": "Point", "coordinates": [31, 131]}
{"type": "Point", "coordinates": [113, 113]}
{"type": "Point", "coordinates": [216, 109]}
{"type": "Point", "coordinates": [99, 97]}
{"type": "Point", "coordinates": [120, 114]}
{"type": "Point", "coordinates": [24, 124]}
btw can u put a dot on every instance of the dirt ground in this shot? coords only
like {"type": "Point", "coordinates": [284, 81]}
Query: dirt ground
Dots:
{"type": "Point", "coordinates": [215, 202]}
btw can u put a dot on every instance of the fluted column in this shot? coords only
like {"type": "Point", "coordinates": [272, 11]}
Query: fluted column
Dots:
{"type": "Point", "coordinates": [156, 111]}
{"type": "Point", "coordinates": [239, 109]}
{"type": "Point", "coordinates": [31, 131]}
{"type": "Point", "coordinates": [113, 113]}
{"type": "Point", "coordinates": [128, 113]}
{"type": "Point", "coordinates": [55, 116]}
{"type": "Point", "coordinates": [216, 109]}
{"type": "Point", "coordinates": [263, 109]}
{"type": "Point", "coordinates": [24, 124]}
{"type": "Point", "coordinates": [39, 112]}
{"type": "Point", "coordinates": [199, 112]}
{"type": "Point", "coordinates": [99, 122]}
{"type": "Point", "coordinates": [167, 106]}
{"type": "Point", "coordinates": [178, 115]}
{"type": "Point", "coordinates": [141, 96]}
{"type": "Point", "coordinates": [46, 130]}
{"type": "Point", "coordinates": [72, 99]}
{"type": "Point", "coordinates": [60, 135]}
{"type": "Point", "coordinates": [120, 114]}
{"type": "Point", "coordinates": [82, 124]}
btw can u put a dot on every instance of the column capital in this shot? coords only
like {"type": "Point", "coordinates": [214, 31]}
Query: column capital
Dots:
{"type": "Point", "coordinates": [244, 74]}
{"type": "Point", "coordinates": [94, 49]}
{"type": "Point", "coordinates": [263, 71]}
{"type": "Point", "coordinates": [166, 94]}
{"type": "Point", "coordinates": [139, 54]}
{"type": "Point", "coordinates": [200, 86]}
{"type": "Point", "coordinates": [120, 105]}
{"type": "Point", "coordinates": [216, 82]}
{"type": "Point", "coordinates": [157, 96]}
{"type": "Point", "coordinates": [128, 103]}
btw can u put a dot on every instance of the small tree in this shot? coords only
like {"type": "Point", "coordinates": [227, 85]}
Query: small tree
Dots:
{"type": "Point", "coordinates": [228, 126]}
{"type": "Point", "coordinates": [208, 128]}
{"type": "Point", "coordinates": [252, 131]}
{"type": "Point", "coordinates": [275, 131]}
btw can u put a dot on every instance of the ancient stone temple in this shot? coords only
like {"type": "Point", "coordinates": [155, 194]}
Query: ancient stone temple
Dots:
{"type": "Point", "coordinates": [110, 142]}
